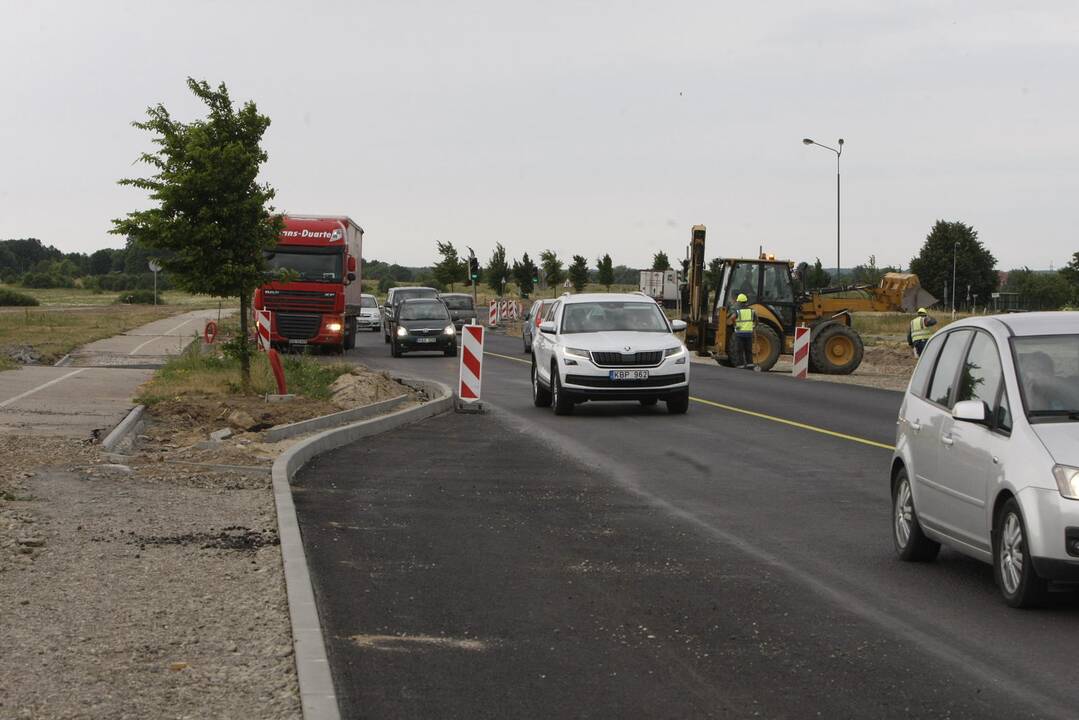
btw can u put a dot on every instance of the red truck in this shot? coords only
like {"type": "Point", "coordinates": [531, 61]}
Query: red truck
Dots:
{"type": "Point", "coordinates": [321, 300]}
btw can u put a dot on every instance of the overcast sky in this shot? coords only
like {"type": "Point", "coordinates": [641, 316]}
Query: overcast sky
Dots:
{"type": "Point", "coordinates": [584, 127]}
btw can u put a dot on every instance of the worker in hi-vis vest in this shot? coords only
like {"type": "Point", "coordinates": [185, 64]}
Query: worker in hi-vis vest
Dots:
{"type": "Point", "coordinates": [920, 331]}
{"type": "Point", "coordinates": [745, 323]}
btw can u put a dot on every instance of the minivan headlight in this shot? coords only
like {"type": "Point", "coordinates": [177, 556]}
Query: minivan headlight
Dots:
{"type": "Point", "coordinates": [1067, 481]}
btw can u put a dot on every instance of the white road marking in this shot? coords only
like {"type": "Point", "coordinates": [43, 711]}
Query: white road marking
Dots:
{"type": "Point", "coordinates": [15, 399]}
{"type": "Point", "coordinates": [158, 337]}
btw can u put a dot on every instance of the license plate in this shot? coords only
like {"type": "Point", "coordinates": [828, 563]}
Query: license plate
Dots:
{"type": "Point", "coordinates": [628, 375]}
{"type": "Point", "coordinates": [297, 342]}
{"type": "Point", "coordinates": [425, 340]}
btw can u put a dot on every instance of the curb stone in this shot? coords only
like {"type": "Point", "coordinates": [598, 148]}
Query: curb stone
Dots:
{"type": "Point", "coordinates": [318, 699]}
{"type": "Point", "coordinates": [128, 426]}
{"type": "Point", "coordinates": [282, 432]}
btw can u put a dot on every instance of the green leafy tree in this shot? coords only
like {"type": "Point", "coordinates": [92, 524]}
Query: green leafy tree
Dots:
{"type": "Point", "coordinates": [101, 262]}
{"type": "Point", "coordinates": [660, 261]}
{"type": "Point", "coordinates": [605, 274]}
{"type": "Point", "coordinates": [450, 269]}
{"type": "Point", "coordinates": [210, 214]}
{"type": "Point", "coordinates": [1038, 290]}
{"type": "Point", "coordinates": [553, 274]}
{"type": "Point", "coordinates": [385, 283]}
{"type": "Point", "coordinates": [578, 273]}
{"type": "Point", "coordinates": [626, 275]}
{"type": "Point", "coordinates": [817, 276]}
{"type": "Point", "coordinates": [524, 274]}
{"type": "Point", "coordinates": [1070, 273]}
{"type": "Point", "coordinates": [497, 269]}
{"type": "Point", "coordinates": [869, 273]}
{"type": "Point", "coordinates": [974, 264]}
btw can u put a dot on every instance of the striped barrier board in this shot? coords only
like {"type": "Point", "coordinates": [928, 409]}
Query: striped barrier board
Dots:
{"type": "Point", "coordinates": [492, 318]}
{"type": "Point", "coordinates": [801, 353]}
{"type": "Point", "coordinates": [263, 323]}
{"type": "Point", "coordinates": [468, 385]}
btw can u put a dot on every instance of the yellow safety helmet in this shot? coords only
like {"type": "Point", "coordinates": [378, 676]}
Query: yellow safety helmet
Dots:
{"type": "Point", "coordinates": [742, 297]}
{"type": "Point", "coordinates": [923, 311]}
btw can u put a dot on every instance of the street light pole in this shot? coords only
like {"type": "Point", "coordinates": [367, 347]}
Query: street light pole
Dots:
{"type": "Point", "coordinates": [838, 152]}
{"type": "Point", "coordinates": [955, 251]}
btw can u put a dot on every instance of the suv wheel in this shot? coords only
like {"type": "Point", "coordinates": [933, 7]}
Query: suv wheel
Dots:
{"type": "Point", "coordinates": [385, 335]}
{"type": "Point", "coordinates": [541, 396]}
{"type": "Point", "coordinates": [563, 404]}
{"type": "Point", "coordinates": [1012, 564]}
{"type": "Point", "coordinates": [910, 542]}
{"type": "Point", "coordinates": [678, 404]}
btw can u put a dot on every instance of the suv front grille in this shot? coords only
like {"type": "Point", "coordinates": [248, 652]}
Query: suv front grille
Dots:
{"type": "Point", "coordinates": [297, 327]}
{"type": "Point", "coordinates": [613, 359]}
{"type": "Point", "coordinates": [599, 381]}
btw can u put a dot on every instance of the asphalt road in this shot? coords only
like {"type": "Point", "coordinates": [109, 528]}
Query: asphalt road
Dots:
{"type": "Point", "coordinates": [786, 599]}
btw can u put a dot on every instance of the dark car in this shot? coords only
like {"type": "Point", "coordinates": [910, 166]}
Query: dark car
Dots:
{"type": "Point", "coordinates": [462, 311]}
{"type": "Point", "coordinates": [423, 324]}
{"type": "Point", "coordinates": [395, 297]}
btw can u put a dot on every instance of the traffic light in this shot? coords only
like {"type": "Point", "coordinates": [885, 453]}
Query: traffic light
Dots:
{"type": "Point", "coordinates": [474, 267]}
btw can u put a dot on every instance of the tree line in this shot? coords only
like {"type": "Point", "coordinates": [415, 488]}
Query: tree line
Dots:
{"type": "Point", "coordinates": [32, 264]}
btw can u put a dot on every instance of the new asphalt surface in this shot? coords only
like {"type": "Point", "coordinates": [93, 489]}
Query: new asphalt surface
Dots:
{"type": "Point", "coordinates": [622, 562]}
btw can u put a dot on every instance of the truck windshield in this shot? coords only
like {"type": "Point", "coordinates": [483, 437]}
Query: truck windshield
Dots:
{"type": "Point", "coordinates": [309, 264]}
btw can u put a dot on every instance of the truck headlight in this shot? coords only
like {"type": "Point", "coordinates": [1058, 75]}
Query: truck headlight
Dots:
{"type": "Point", "coordinates": [401, 331]}
{"type": "Point", "coordinates": [333, 327]}
{"type": "Point", "coordinates": [1067, 481]}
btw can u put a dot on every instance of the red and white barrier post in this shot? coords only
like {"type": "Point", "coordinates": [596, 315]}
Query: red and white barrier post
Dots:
{"type": "Point", "coordinates": [801, 353]}
{"type": "Point", "coordinates": [492, 316]}
{"type": "Point", "coordinates": [263, 323]}
{"type": "Point", "coordinates": [470, 375]}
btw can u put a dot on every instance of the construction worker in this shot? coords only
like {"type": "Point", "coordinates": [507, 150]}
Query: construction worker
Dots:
{"type": "Point", "coordinates": [920, 331]}
{"type": "Point", "coordinates": [745, 324]}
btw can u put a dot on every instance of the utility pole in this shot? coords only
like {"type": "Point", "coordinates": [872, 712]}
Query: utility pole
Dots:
{"type": "Point", "coordinates": [473, 272]}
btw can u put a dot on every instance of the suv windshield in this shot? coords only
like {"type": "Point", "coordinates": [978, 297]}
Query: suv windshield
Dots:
{"type": "Point", "coordinates": [424, 311]}
{"type": "Point", "coordinates": [613, 316]}
{"type": "Point", "coordinates": [1048, 371]}
{"type": "Point", "coordinates": [401, 295]}
{"type": "Point", "coordinates": [457, 303]}
{"type": "Point", "coordinates": [368, 302]}
{"type": "Point", "coordinates": [309, 264]}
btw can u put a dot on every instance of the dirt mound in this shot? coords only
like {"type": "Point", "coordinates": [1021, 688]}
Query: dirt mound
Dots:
{"type": "Point", "coordinates": [364, 386]}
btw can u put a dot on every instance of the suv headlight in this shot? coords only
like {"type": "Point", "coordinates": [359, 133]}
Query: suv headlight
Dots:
{"type": "Point", "coordinates": [576, 352]}
{"type": "Point", "coordinates": [450, 330]}
{"type": "Point", "coordinates": [673, 351]}
{"type": "Point", "coordinates": [1067, 481]}
{"type": "Point", "coordinates": [402, 331]}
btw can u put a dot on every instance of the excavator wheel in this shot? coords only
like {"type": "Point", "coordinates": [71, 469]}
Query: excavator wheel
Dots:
{"type": "Point", "coordinates": [766, 347]}
{"type": "Point", "coordinates": [836, 350]}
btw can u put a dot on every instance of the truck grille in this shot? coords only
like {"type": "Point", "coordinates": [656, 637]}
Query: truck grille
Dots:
{"type": "Point", "coordinates": [599, 381]}
{"type": "Point", "coordinates": [299, 300]}
{"type": "Point", "coordinates": [613, 359]}
{"type": "Point", "coordinates": [297, 327]}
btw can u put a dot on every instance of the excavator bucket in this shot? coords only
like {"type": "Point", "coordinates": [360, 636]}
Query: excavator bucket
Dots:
{"type": "Point", "coordinates": [907, 289]}
{"type": "Point", "coordinates": [917, 297]}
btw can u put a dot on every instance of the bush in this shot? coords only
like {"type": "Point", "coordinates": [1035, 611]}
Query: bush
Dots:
{"type": "Point", "coordinates": [10, 297]}
{"type": "Point", "coordinates": [46, 280]}
{"type": "Point", "coordinates": [140, 297]}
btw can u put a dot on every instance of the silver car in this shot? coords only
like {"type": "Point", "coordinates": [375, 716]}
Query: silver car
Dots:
{"type": "Point", "coordinates": [987, 451]}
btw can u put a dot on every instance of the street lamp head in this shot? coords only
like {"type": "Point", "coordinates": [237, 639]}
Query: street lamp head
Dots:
{"type": "Point", "coordinates": [840, 141]}
{"type": "Point", "coordinates": [807, 141]}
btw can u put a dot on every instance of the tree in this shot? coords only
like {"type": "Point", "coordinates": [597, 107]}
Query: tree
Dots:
{"type": "Point", "coordinates": [605, 275]}
{"type": "Point", "coordinates": [660, 261]}
{"type": "Point", "coordinates": [524, 274]}
{"type": "Point", "coordinates": [553, 274]}
{"type": "Point", "coordinates": [101, 262]}
{"type": "Point", "coordinates": [869, 273]}
{"type": "Point", "coordinates": [497, 269]}
{"type": "Point", "coordinates": [713, 276]}
{"type": "Point", "coordinates": [817, 277]}
{"type": "Point", "coordinates": [1038, 290]}
{"type": "Point", "coordinates": [974, 264]}
{"type": "Point", "coordinates": [578, 273]}
{"type": "Point", "coordinates": [450, 269]}
{"type": "Point", "coordinates": [1070, 273]}
{"type": "Point", "coordinates": [211, 216]}
{"type": "Point", "coordinates": [385, 283]}
{"type": "Point", "coordinates": [626, 275]}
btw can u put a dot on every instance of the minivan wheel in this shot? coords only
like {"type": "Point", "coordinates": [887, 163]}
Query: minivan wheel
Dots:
{"type": "Point", "coordinates": [910, 542]}
{"type": "Point", "coordinates": [1015, 574]}
{"type": "Point", "coordinates": [563, 404]}
{"type": "Point", "coordinates": [541, 396]}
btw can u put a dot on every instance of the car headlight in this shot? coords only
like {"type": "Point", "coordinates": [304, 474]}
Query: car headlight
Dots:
{"type": "Point", "coordinates": [401, 331]}
{"type": "Point", "coordinates": [576, 352]}
{"type": "Point", "coordinates": [673, 351]}
{"type": "Point", "coordinates": [1067, 481]}
{"type": "Point", "coordinates": [450, 330]}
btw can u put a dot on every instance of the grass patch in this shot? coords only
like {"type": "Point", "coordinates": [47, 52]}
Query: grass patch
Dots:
{"type": "Point", "coordinates": [79, 297]}
{"type": "Point", "coordinates": [212, 374]}
{"type": "Point", "coordinates": [896, 324]}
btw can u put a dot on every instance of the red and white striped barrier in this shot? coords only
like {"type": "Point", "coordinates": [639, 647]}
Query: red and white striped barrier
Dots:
{"type": "Point", "coordinates": [468, 386]}
{"type": "Point", "coordinates": [492, 317]}
{"type": "Point", "coordinates": [801, 353]}
{"type": "Point", "coordinates": [263, 323]}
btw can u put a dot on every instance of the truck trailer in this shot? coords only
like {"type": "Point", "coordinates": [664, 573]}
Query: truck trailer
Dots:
{"type": "Point", "coordinates": [661, 285]}
{"type": "Point", "coordinates": [318, 299]}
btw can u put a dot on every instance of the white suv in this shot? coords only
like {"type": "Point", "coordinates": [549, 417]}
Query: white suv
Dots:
{"type": "Point", "coordinates": [609, 347]}
{"type": "Point", "coordinates": [987, 451]}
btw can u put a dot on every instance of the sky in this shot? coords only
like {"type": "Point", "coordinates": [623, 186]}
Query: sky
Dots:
{"type": "Point", "coordinates": [584, 127]}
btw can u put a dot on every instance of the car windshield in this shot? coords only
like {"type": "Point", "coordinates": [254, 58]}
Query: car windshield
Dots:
{"type": "Point", "coordinates": [401, 295]}
{"type": "Point", "coordinates": [424, 311]}
{"type": "Point", "coordinates": [457, 303]}
{"type": "Point", "coordinates": [309, 264]}
{"type": "Point", "coordinates": [1048, 370]}
{"type": "Point", "coordinates": [368, 302]}
{"type": "Point", "coordinates": [613, 316]}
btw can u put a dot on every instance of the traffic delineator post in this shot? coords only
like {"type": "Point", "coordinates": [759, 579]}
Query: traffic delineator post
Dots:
{"type": "Point", "coordinates": [471, 367]}
{"type": "Point", "coordinates": [801, 353]}
{"type": "Point", "coordinates": [492, 317]}
{"type": "Point", "coordinates": [263, 323]}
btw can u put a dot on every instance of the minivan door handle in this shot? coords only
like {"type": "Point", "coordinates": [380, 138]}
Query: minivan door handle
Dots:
{"type": "Point", "coordinates": [947, 440]}
{"type": "Point", "coordinates": [916, 426]}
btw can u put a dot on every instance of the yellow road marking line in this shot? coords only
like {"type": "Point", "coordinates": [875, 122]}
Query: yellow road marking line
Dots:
{"type": "Point", "coordinates": [762, 416]}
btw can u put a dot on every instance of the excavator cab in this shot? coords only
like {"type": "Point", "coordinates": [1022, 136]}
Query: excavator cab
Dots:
{"type": "Point", "coordinates": [768, 285]}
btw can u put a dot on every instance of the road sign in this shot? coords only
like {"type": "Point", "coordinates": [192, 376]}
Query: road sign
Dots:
{"type": "Point", "coordinates": [155, 266]}
{"type": "Point", "coordinates": [801, 353]}
{"type": "Point", "coordinates": [468, 386]}
{"type": "Point", "coordinates": [263, 323]}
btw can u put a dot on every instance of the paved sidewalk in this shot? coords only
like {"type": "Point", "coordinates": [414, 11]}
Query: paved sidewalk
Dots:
{"type": "Point", "coordinates": [93, 389]}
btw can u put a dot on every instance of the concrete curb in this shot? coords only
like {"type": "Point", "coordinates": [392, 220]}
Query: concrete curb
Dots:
{"type": "Point", "coordinates": [317, 697]}
{"type": "Point", "coordinates": [282, 432]}
{"type": "Point", "coordinates": [128, 426]}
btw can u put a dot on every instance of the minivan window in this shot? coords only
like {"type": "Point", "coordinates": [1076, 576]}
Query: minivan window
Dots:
{"type": "Point", "coordinates": [1047, 368]}
{"type": "Point", "coordinates": [981, 374]}
{"type": "Point", "coordinates": [920, 378]}
{"type": "Point", "coordinates": [457, 302]}
{"type": "Point", "coordinates": [940, 390]}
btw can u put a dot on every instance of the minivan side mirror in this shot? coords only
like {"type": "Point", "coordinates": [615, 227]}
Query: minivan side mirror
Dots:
{"type": "Point", "coordinates": [678, 325]}
{"type": "Point", "coordinates": [547, 326]}
{"type": "Point", "coordinates": [973, 411]}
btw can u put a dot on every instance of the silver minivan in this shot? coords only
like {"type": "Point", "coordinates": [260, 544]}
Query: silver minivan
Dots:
{"type": "Point", "coordinates": [987, 451]}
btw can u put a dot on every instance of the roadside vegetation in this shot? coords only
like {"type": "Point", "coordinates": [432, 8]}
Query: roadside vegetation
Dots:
{"type": "Point", "coordinates": [81, 297]}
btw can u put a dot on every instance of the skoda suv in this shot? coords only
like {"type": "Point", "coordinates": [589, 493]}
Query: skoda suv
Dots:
{"type": "Point", "coordinates": [609, 347]}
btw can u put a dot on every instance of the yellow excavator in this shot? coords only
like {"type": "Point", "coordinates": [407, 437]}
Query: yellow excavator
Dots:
{"type": "Point", "coordinates": [776, 292]}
